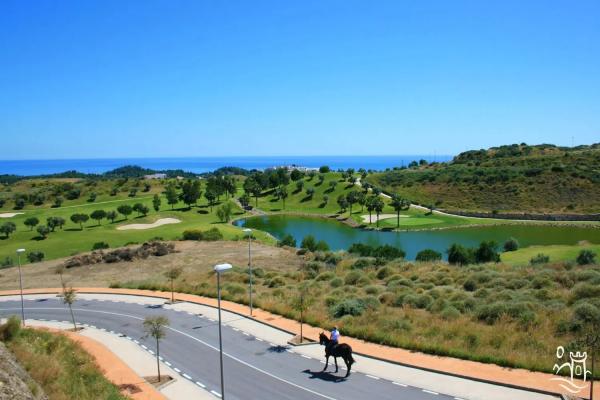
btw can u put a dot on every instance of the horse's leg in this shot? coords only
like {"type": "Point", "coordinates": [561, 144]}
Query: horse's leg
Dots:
{"type": "Point", "coordinates": [336, 366]}
{"type": "Point", "coordinates": [348, 366]}
{"type": "Point", "coordinates": [326, 362]}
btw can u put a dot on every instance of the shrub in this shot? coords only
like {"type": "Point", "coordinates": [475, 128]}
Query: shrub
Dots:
{"type": "Point", "coordinates": [309, 242]}
{"type": "Point", "coordinates": [372, 289]}
{"type": "Point", "coordinates": [100, 245]}
{"type": "Point", "coordinates": [486, 252]}
{"type": "Point", "coordinates": [321, 246]}
{"type": "Point", "coordinates": [587, 313]}
{"type": "Point", "coordinates": [352, 277]}
{"type": "Point", "coordinates": [490, 313]}
{"type": "Point", "coordinates": [585, 291]}
{"type": "Point", "coordinates": [328, 257]}
{"type": "Point", "coordinates": [459, 255]}
{"type": "Point", "coordinates": [213, 234]}
{"type": "Point", "coordinates": [384, 272]}
{"type": "Point", "coordinates": [35, 256]}
{"type": "Point", "coordinates": [586, 257]}
{"type": "Point", "coordinates": [386, 252]}
{"type": "Point", "coordinates": [539, 259]}
{"type": "Point", "coordinates": [193, 234]}
{"type": "Point", "coordinates": [325, 276]}
{"type": "Point", "coordinates": [10, 329]}
{"type": "Point", "coordinates": [7, 262]}
{"type": "Point", "coordinates": [450, 313]}
{"type": "Point", "coordinates": [511, 245]}
{"type": "Point", "coordinates": [276, 282]}
{"type": "Point", "coordinates": [361, 263]}
{"type": "Point", "coordinates": [470, 285]}
{"type": "Point", "coordinates": [336, 282]}
{"type": "Point", "coordinates": [428, 255]}
{"type": "Point", "coordinates": [287, 240]}
{"type": "Point", "coordinates": [418, 300]}
{"type": "Point", "coordinates": [354, 307]}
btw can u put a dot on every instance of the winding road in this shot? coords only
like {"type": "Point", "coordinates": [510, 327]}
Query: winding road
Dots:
{"type": "Point", "coordinates": [254, 367]}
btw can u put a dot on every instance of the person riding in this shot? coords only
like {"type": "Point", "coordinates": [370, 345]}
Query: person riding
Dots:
{"type": "Point", "coordinates": [334, 338]}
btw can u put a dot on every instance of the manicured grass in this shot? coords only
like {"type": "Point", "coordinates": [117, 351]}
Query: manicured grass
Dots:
{"type": "Point", "coordinates": [557, 253]}
{"type": "Point", "coordinates": [61, 367]}
{"type": "Point", "coordinates": [71, 239]}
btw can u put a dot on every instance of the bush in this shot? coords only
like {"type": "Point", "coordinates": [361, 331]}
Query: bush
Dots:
{"type": "Point", "coordinates": [325, 276]}
{"type": "Point", "coordinates": [486, 252]}
{"type": "Point", "coordinates": [459, 255]}
{"type": "Point", "coordinates": [450, 313]}
{"type": "Point", "coordinates": [194, 234]}
{"type": "Point", "coordinates": [428, 255]}
{"type": "Point", "coordinates": [10, 329]}
{"type": "Point", "coordinates": [35, 256]}
{"type": "Point", "coordinates": [361, 263]}
{"type": "Point", "coordinates": [7, 262]}
{"type": "Point", "coordinates": [418, 300]}
{"type": "Point", "coordinates": [328, 257]}
{"type": "Point", "coordinates": [321, 246]}
{"type": "Point", "coordinates": [587, 313]}
{"type": "Point", "coordinates": [539, 259]}
{"type": "Point", "coordinates": [309, 243]}
{"type": "Point", "coordinates": [213, 234]}
{"type": "Point", "coordinates": [100, 246]}
{"type": "Point", "coordinates": [354, 307]}
{"type": "Point", "coordinates": [287, 240]}
{"type": "Point", "coordinates": [352, 277]}
{"type": "Point", "coordinates": [276, 282]}
{"type": "Point", "coordinates": [511, 245]}
{"type": "Point", "coordinates": [385, 252]}
{"type": "Point", "coordinates": [384, 272]}
{"type": "Point", "coordinates": [336, 282]}
{"type": "Point", "coordinates": [586, 257]}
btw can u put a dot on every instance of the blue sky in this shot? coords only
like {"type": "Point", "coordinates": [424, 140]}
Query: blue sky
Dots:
{"type": "Point", "coordinates": [195, 78]}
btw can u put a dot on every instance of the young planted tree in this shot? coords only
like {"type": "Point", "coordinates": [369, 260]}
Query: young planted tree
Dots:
{"type": "Point", "coordinates": [156, 327]}
{"type": "Point", "coordinates": [69, 297]}
{"type": "Point", "coordinates": [300, 303]}
{"type": "Point", "coordinates": [172, 274]}
{"type": "Point", "coordinates": [156, 202]}
{"type": "Point", "coordinates": [399, 204]}
{"type": "Point", "coordinates": [80, 219]}
{"type": "Point", "coordinates": [111, 215]}
{"type": "Point", "coordinates": [125, 210]}
{"type": "Point", "coordinates": [98, 215]}
{"type": "Point", "coordinates": [171, 194]}
{"type": "Point", "coordinates": [8, 228]}
{"type": "Point", "coordinates": [43, 231]}
{"type": "Point", "coordinates": [31, 222]}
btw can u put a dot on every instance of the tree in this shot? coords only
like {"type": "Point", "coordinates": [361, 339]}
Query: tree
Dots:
{"type": "Point", "coordinates": [210, 197]}
{"type": "Point", "coordinates": [309, 243]}
{"type": "Point", "coordinates": [370, 204]}
{"type": "Point", "coordinates": [296, 175]}
{"type": "Point", "coordinates": [361, 198]}
{"type": "Point", "coordinates": [140, 209]}
{"type": "Point", "coordinates": [190, 192]}
{"type": "Point", "coordinates": [324, 169]}
{"type": "Point", "coordinates": [80, 219]}
{"type": "Point", "coordinates": [111, 215]}
{"type": "Point", "coordinates": [352, 198]}
{"type": "Point", "coordinates": [125, 210]}
{"type": "Point", "coordinates": [155, 327]}
{"type": "Point", "coordinates": [310, 192]}
{"type": "Point", "coordinates": [92, 197]}
{"type": "Point", "coordinates": [299, 185]}
{"type": "Point", "coordinates": [156, 202]}
{"type": "Point", "coordinates": [511, 244]}
{"type": "Point", "coordinates": [31, 222]}
{"type": "Point", "coordinates": [332, 185]}
{"type": "Point", "coordinates": [342, 202]}
{"type": "Point", "coordinates": [378, 205]}
{"type": "Point", "coordinates": [7, 228]}
{"type": "Point", "coordinates": [224, 212]}
{"type": "Point", "coordinates": [460, 255]}
{"type": "Point", "coordinates": [487, 252]}
{"type": "Point", "coordinates": [43, 231]}
{"type": "Point", "coordinates": [19, 203]}
{"type": "Point", "coordinates": [2, 202]}
{"type": "Point", "coordinates": [172, 274]}
{"type": "Point", "coordinates": [55, 222]}
{"type": "Point", "coordinates": [253, 187]}
{"type": "Point", "coordinates": [69, 297]}
{"type": "Point", "coordinates": [399, 204]}
{"type": "Point", "coordinates": [428, 255]}
{"type": "Point", "coordinates": [586, 257]}
{"type": "Point", "coordinates": [244, 200]}
{"type": "Point", "coordinates": [325, 200]}
{"type": "Point", "coordinates": [98, 215]}
{"type": "Point", "coordinates": [282, 194]}
{"type": "Point", "coordinates": [171, 194]}
{"type": "Point", "coordinates": [133, 192]}
{"type": "Point", "coordinates": [321, 178]}
{"type": "Point", "coordinates": [301, 303]}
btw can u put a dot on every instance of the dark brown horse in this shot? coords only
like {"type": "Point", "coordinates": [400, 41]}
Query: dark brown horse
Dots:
{"type": "Point", "coordinates": [341, 350]}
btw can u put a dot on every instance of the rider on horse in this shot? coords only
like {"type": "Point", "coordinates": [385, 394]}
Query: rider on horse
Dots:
{"type": "Point", "coordinates": [335, 337]}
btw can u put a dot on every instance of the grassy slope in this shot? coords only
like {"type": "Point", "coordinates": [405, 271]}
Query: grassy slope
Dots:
{"type": "Point", "coordinates": [61, 367]}
{"type": "Point", "coordinates": [73, 240]}
{"type": "Point", "coordinates": [546, 180]}
{"type": "Point", "coordinates": [556, 253]}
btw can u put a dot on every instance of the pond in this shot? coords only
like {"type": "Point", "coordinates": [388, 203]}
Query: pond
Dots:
{"type": "Point", "coordinates": [340, 236]}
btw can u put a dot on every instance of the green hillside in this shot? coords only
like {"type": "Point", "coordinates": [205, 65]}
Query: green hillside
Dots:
{"type": "Point", "coordinates": [513, 178]}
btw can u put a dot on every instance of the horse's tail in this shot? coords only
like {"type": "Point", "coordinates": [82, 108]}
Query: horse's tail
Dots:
{"type": "Point", "coordinates": [351, 358]}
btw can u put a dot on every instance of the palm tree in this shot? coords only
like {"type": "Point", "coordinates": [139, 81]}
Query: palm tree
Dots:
{"type": "Point", "coordinates": [155, 327]}
{"type": "Point", "coordinates": [378, 205]}
{"type": "Point", "coordinates": [282, 193]}
{"type": "Point", "coordinates": [399, 204]}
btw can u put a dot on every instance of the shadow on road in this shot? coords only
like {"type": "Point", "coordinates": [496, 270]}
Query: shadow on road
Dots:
{"type": "Point", "coordinates": [324, 376]}
{"type": "Point", "coordinates": [277, 349]}
{"type": "Point", "coordinates": [154, 306]}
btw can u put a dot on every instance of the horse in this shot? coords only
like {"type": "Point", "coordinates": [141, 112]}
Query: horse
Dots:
{"type": "Point", "coordinates": [341, 350]}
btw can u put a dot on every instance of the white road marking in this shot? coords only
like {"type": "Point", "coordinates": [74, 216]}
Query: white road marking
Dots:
{"type": "Point", "coordinates": [177, 370]}
{"type": "Point", "coordinates": [168, 363]}
{"type": "Point", "coordinates": [246, 333]}
{"type": "Point", "coordinates": [144, 347]}
{"type": "Point", "coordinates": [216, 393]}
{"type": "Point", "coordinates": [429, 391]}
{"type": "Point", "coordinates": [272, 345]}
{"type": "Point", "coordinates": [400, 384]}
{"type": "Point", "coordinates": [186, 376]}
{"type": "Point", "coordinates": [150, 351]}
{"type": "Point", "coordinates": [289, 351]}
{"type": "Point", "coordinates": [259, 339]}
{"type": "Point", "coordinates": [235, 329]}
{"type": "Point", "coordinates": [201, 385]}
{"type": "Point", "coordinates": [372, 377]}
{"type": "Point", "coordinates": [204, 343]}
{"type": "Point", "coordinates": [305, 356]}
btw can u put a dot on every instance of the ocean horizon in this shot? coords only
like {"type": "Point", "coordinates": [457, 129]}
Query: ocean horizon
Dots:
{"type": "Point", "coordinates": [208, 164]}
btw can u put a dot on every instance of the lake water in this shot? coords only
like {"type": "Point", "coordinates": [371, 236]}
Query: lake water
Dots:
{"type": "Point", "coordinates": [207, 164]}
{"type": "Point", "coordinates": [340, 236]}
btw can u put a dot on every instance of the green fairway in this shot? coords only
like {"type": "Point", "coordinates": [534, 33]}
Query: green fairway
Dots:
{"type": "Point", "coordinates": [555, 252]}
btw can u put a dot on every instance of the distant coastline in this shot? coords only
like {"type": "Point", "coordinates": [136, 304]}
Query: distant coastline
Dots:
{"type": "Point", "coordinates": [208, 164]}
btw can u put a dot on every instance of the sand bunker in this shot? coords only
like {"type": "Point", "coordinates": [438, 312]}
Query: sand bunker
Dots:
{"type": "Point", "coordinates": [365, 218]}
{"type": "Point", "coordinates": [9, 215]}
{"type": "Point", "coordinates": [162, 221]}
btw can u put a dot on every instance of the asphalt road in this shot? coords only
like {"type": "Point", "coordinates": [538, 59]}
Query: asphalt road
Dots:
{"type": "Point", "coordinates": [254, 369]}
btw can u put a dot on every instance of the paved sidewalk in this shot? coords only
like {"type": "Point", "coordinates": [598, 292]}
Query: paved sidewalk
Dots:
{"type": "Point", "coordinates": [515, 378]}
{"type": "Point", "coordinates": [130, 365]}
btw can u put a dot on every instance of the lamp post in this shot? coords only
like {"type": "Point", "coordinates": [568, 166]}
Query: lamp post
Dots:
{"type": "Point", "coordinates": [19, 252]}
{"type": "Point", "coordinates": [219, 269]}
{"type": "Point", "coordinates": [248, 233]}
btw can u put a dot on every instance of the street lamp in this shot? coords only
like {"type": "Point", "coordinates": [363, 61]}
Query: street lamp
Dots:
{"type": "Point", "coordinates": [19, 252]}
{"type": "Point", "coordinates": [219, 269]}
{"type": "Point", "coordinates": [248, 233]}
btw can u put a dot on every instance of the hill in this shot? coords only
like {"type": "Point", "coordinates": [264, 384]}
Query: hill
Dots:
{"type": "Point", "coordinates": [515, 178]}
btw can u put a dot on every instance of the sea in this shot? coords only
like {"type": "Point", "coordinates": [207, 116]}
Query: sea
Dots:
{"type": "Point", "coordinates": [208, 164]}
